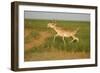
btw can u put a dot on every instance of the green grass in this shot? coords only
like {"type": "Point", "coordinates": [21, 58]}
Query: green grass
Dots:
{"type": "Point", "coordinates": [38, 26]}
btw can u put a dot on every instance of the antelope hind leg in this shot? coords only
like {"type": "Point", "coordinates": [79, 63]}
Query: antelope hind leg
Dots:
{"type": "Point", "coordinates": [75, 38]}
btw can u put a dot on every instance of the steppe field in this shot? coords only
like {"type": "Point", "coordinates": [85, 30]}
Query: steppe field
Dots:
{"type": "Point", "coordinates": [39, 45]}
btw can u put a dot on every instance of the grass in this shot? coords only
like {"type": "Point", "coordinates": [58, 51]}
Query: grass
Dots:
{"type": "Point", "coordinates": [39, 41]}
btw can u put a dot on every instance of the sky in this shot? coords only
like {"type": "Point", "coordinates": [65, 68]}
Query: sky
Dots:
{"type": "Point", "coordinates": [56, 16]}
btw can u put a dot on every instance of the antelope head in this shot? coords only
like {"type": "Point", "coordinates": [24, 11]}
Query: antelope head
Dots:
{"type": "Point", "coordinates": [52, 24]}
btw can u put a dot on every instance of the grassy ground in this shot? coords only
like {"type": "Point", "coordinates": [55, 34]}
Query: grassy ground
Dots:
{"type": "Point", "coordinates": [39, 43]}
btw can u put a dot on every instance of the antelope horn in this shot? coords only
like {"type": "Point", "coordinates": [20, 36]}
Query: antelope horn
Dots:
{"type": "Point", "coordinates": [54, 21]}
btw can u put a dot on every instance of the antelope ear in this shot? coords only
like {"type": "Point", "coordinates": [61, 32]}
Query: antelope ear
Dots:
{"type": "Point", "coordinates": [55, 22]}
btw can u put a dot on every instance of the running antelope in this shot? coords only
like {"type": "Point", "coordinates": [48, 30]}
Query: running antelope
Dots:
{"type": "Point", "coordinates": [63, 33]}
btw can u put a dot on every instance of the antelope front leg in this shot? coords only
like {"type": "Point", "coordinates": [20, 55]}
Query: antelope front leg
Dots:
{"type": "Point", "coordinates": [63, 40]}
{"type": "Point", "coordinates": [55, 37]}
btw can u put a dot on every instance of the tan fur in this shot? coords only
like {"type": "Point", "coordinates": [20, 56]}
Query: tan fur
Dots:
{"type": "Point", "coordinates": [63, 33]}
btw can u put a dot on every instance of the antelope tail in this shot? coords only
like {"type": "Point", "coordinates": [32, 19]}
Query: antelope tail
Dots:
{"type": "Point", "coordinates": [76, 30]}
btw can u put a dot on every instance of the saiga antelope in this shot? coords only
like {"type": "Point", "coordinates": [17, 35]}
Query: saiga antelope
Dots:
{"type": "Point", "coordinates": [63, 33]}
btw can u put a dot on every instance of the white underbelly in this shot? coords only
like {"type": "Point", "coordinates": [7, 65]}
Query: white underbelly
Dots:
{"type": "Point", "coordinates": [64, 35]}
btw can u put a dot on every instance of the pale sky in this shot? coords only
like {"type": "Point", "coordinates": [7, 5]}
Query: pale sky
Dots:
{"type": "Point", "coordinates": [56, 16]}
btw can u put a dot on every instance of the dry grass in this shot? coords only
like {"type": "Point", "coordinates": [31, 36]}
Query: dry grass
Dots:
{"type": "Point", "coordinates": [36, 41]}
{"type": "Point", "coordinates": [39, 42]}
{"type": "Point", "coordinates": [56, 55]}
